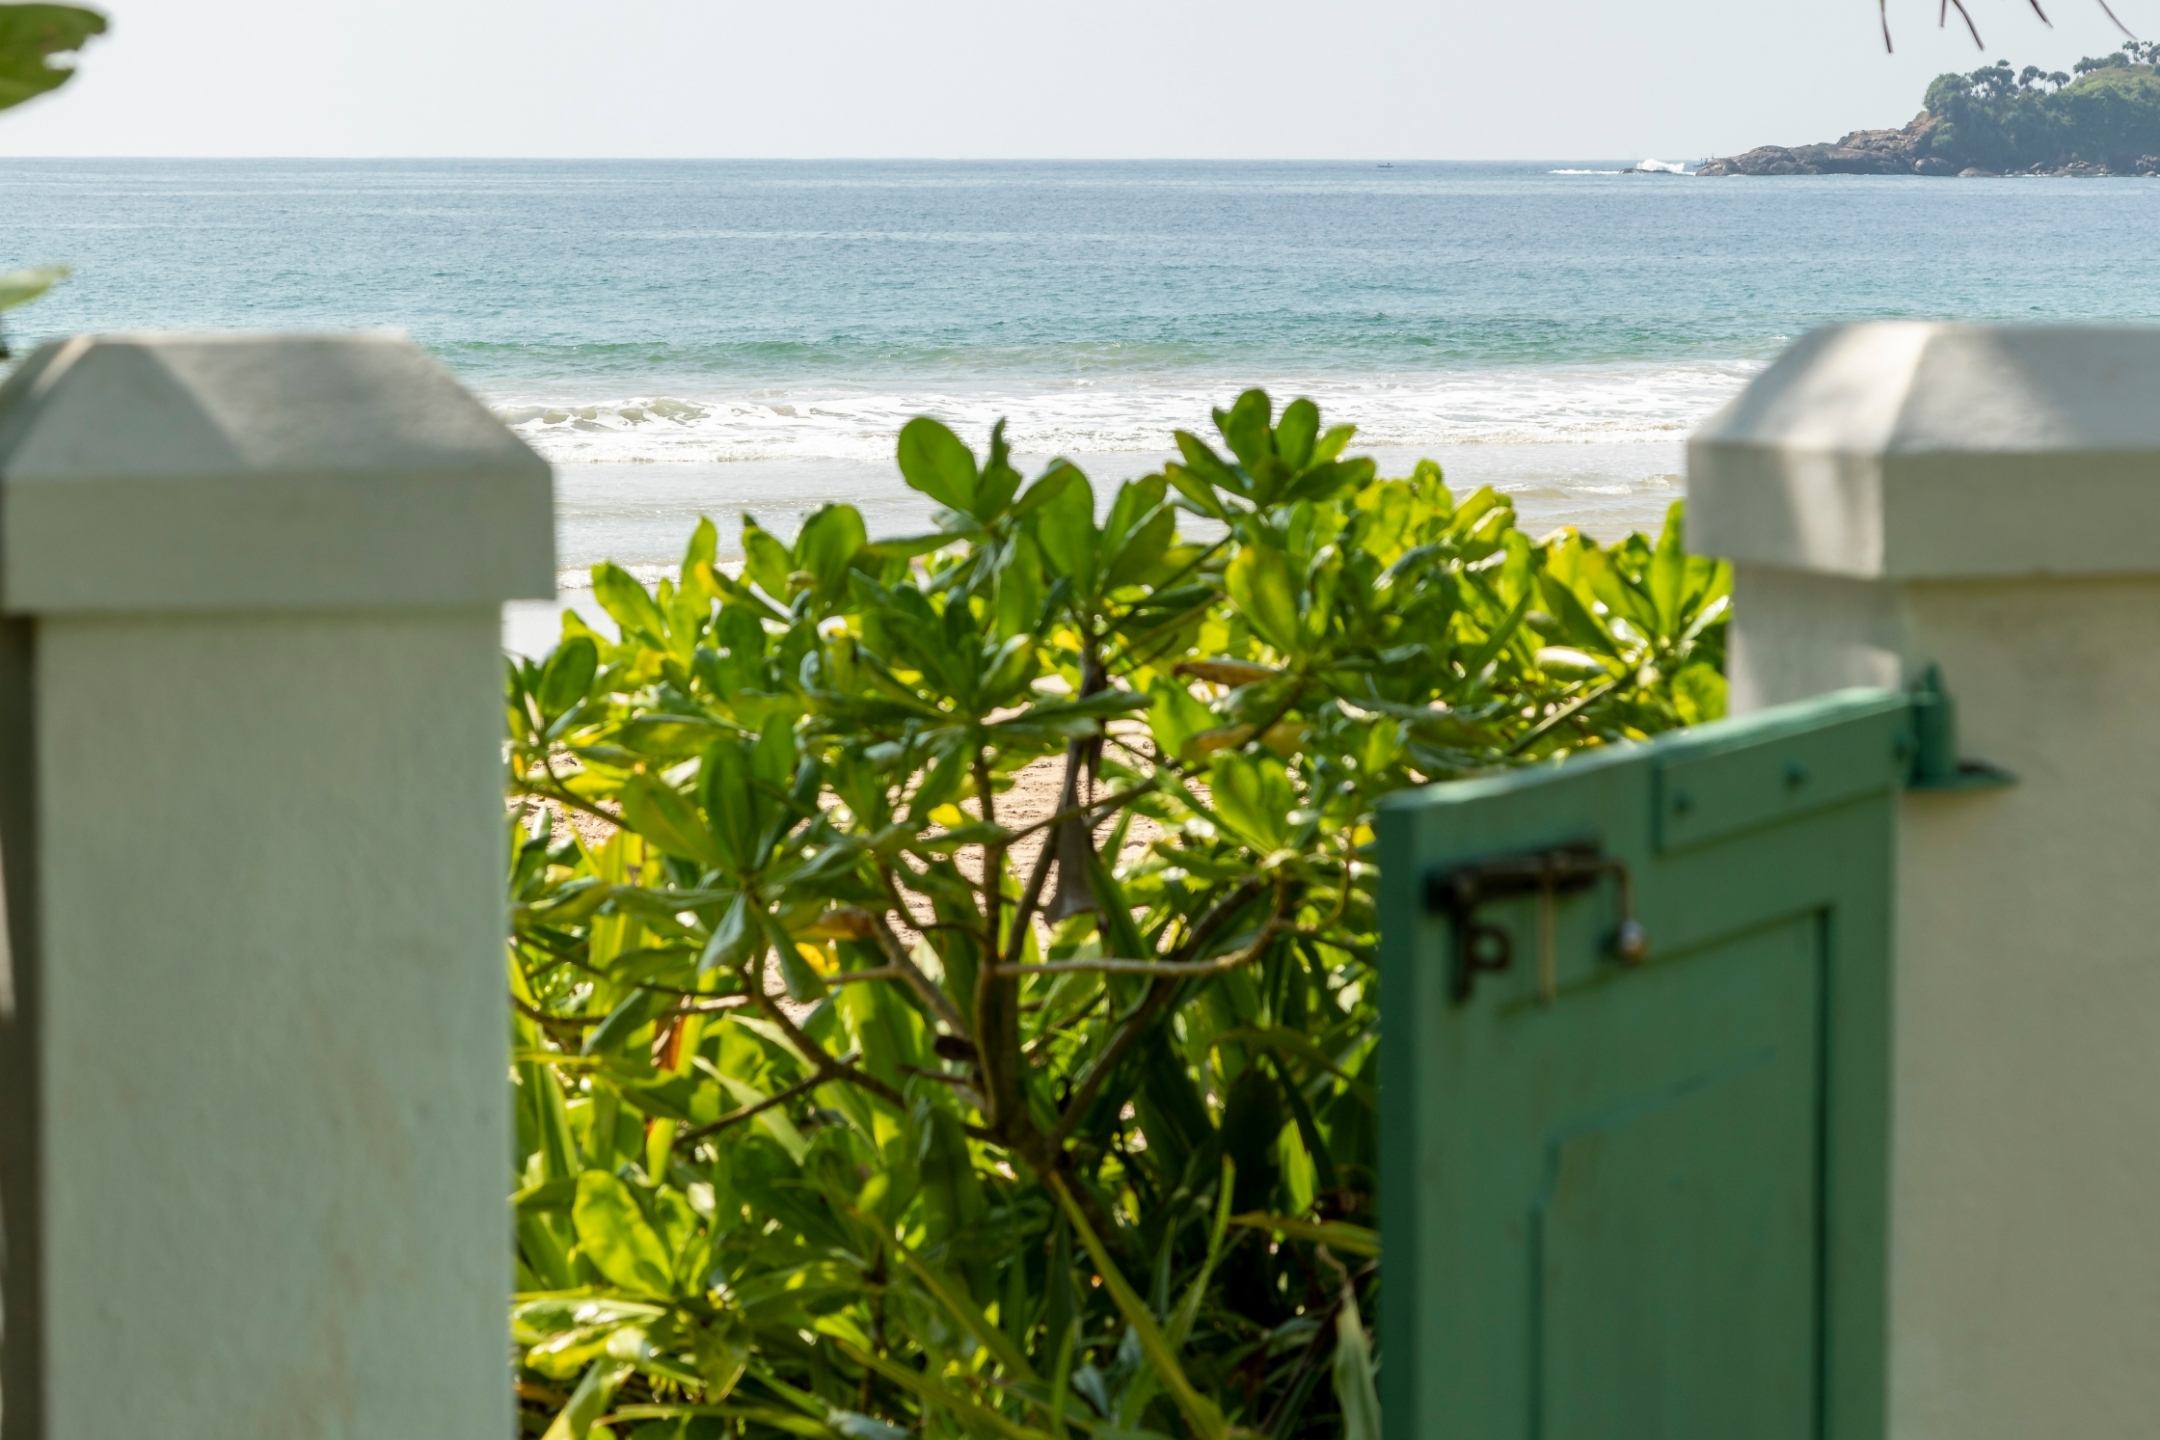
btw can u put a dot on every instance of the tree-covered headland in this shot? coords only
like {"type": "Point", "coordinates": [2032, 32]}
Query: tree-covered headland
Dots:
{"type": "Point", "coordinates": [2101, 118]}
{"type": "Point", "coordinates": [2107, 113]}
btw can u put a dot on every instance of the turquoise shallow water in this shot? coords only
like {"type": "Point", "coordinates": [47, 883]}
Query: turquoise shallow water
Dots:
{"type": "Point", "coordinates": [686, 336]}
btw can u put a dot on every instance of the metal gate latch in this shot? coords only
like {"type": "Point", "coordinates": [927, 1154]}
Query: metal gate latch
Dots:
{"type": "Point", "coordinates": [1458, 893]}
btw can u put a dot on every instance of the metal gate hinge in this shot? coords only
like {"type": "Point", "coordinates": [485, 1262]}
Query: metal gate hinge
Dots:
{"type": "Point", "coordinates": [1458, 891]}
{"type": "Point", "coordinates": [1931, 746]}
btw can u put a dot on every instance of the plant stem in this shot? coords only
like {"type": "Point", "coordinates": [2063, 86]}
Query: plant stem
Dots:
{"type": "Point", "coordinates": [997, 1022]}
{"type": "Point", "coordinates": [773, 1101]}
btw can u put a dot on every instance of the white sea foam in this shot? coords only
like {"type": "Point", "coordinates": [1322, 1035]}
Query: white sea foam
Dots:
{"type": "Point", "coordinates": [1540, 405]}
{"type": "Point", "coordinates": [1571, 171]}
{"type": "Point", "coordinates": [1663, 167]}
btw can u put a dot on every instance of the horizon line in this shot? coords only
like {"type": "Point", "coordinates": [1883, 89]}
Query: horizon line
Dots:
{"type": "Point", "coordinates": [878, 159]}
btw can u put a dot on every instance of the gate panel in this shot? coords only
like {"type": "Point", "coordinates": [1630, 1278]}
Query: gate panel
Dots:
{"type": "Point", "coordinates": [1643, 1199]}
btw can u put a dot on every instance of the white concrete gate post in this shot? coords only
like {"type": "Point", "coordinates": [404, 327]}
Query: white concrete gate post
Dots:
{"type": "Point", "coordinates": [253, 1103]}
{"type": "Point", "coordinates": [1988, 499]}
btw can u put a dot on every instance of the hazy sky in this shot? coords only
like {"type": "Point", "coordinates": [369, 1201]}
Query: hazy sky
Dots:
{"type": "Point", "coordinates": [1468, 79]}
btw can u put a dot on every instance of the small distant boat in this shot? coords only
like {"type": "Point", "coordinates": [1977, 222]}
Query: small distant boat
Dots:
{"type": "Point", "coordinates": [1385, 165]}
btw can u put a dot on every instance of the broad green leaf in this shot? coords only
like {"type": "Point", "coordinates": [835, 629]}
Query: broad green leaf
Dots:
{"type": "Point", "coordinates": [625, 1020]}
{"type": "Point", "coordinates": [567, 675]}
{"type": "Point", "coordinates": [1296, 433]}
{"type": "Point", "coordinates": [1208, 467]}
{"type": "Point", "coordinates": [724, 1347]}
{"type": "Point", "coordinates": [1139, 553]}
{"type": "Point", "coordinates": [766, 562]}
{"type": "Point", "coordinates": [616, 1237]}
{"type": "Point", "coordinates": [731, 812]}
{"type": "Point", "coordinates": [1064, 529]}
{"type": "Point", "coordinates": [1667, 577]}
{"type": "Point", "coordinates": [702, 551]}
{"type": "Point", "coordinates": [1198, 493]}
{"type": "Point", "coordinates": [803, 983]}
{"type": "Point", "coordinates": [629, 604]}
{"type": "Point", "coordinates": [658, 812]}
{"type": "Point", "coordinates": [1253, 797]}
{"type": "Point", "coordinates": [732, 938]}
{"type": "Point", "coordinates": [1244, 428]}
{"type": "Point", "coordinates": [998, 482]}
{"type": "Point", "coordinates": [31, 36]}
{"type": "Point", "coordinates": [828, 544]}
{"type": "Point", "coordinates": [934, 461]}
{"type": "Point", "coordinates": [1336, 437]}
{"type": "Point", "coordinates": [1175, 717]}
{"type": "Point", "coordinates": [1578, 623]}
{"type": "Point", "coordinates": [1699, 694]}
{"type": "Point", "coordinates": [1260, 583]}
{"type": "Point", "coordinates": [1047, 487]}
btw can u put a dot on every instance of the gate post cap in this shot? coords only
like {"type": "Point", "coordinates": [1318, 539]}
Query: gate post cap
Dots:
{"type": "Point", "coordinates": [1918, 450]}
{"type": "Point", "coordinates": [240, 471]}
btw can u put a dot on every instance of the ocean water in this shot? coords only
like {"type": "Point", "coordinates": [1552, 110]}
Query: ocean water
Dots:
{"type": "Point", "coordinates": [712, 337]}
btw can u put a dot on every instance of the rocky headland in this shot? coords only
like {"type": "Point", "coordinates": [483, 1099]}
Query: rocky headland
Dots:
{"type": "Point", "coordinates": [1995, 121]}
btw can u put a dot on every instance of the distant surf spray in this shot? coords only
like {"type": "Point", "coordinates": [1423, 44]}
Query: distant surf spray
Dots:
{"type": "Point", "coordinates": [1646, 167]}
{"type": "Point", "coordinates": [1661, 167]}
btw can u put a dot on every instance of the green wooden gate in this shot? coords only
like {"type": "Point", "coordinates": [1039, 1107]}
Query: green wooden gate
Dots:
{"type": "Point", "coordinates": [1634, 1086]}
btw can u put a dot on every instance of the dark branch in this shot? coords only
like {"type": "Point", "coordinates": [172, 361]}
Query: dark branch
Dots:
{"type": "Point", "coordinates": [1942, 17]}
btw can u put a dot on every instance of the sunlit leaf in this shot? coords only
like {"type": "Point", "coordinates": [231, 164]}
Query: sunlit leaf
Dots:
{"type": "Point", "coordinates": [616, 1237]}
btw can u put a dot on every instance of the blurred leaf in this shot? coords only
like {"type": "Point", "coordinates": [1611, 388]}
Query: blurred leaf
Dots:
{"type": "Point", "coordinates": [1667, 579]}
{"type": "Point", "coordinates": [588, 1402]}
{"type": "Point", "coordinates": [933, 461]}
{"type": "Point", "coordinates": [567, 675]}
{"type": "Point", "coordinates": [1253, 796]}
{"type": "Point", "coordinates": [31, 36]}
{"type": "Point", "coordinates": [660, 814]}
{"type": "Point", "coordinates": [628, 603]}
{"type": "Point", "coordinates": [1245, 427]}
{"type": "Point", "coordinates": [615, 1236]}
{"type": "Point", "coordinates": [20, 287]}
{"type": "Point", "coordinates": [1260, 583]}
{"type": "Point", "coordinates": [1355, 1389]}
{"type": "Point", "coordinates": [829, 542]}
{"type": "Point", "coordinates": [1337, 1236]}
{"type": "Point", "coordinates": [1297, 432]}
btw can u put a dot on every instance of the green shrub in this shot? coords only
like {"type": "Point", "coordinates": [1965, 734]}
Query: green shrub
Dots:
{"type": "Point", "coordinates": [860, 1094]}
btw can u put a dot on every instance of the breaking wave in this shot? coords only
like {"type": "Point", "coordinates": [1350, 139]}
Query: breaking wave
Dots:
{"type": "Point", "coordinates": [1641, 167]}
{"type": "Point", "coordinates": [1540, 405]}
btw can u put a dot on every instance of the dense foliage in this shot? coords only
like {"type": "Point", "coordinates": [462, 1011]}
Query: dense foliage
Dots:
{"type": "Point", "coordinates": [2108, 114]}
{"type": "Point", "coordinates": [951, 1012]}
